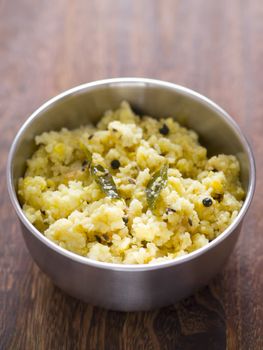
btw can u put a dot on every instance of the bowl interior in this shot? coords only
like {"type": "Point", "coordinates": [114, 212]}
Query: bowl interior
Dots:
{"type": "Point", "coordinates": [87, 103]}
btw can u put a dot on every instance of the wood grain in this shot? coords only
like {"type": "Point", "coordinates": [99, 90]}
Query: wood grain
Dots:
{"type": "Point", "coordinates": [214, 47]}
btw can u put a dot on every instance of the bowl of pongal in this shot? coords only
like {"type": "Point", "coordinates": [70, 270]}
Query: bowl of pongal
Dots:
{"type": "Point", "coordinates": [130, 192]}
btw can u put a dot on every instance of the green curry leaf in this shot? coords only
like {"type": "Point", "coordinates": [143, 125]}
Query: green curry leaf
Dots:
{"type": "Point", "coordinates": [155, 186]}
{"type": "Point", "coordinates": [101, 175]}
{"type": "Point", "coordinates": [105, 180]}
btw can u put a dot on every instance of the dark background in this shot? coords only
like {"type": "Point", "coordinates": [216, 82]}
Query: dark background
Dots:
{"type": "Point", "coordinates": [214, 47]}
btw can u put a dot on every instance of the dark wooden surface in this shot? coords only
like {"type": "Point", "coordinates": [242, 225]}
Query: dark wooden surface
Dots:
{"type": "Point", "coordinates": [212, 46]}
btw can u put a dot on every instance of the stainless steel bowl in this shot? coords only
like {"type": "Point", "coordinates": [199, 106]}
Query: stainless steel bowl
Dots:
{"type": "Point", "coordinates": [132, 287]}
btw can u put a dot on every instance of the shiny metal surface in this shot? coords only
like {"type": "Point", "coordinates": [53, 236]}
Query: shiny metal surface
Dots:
{"type": "Point", "coordinates": [132, 287]}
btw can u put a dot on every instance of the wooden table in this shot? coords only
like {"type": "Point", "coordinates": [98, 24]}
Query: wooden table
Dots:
{"type": "Point", "coordinates": [211, 46]}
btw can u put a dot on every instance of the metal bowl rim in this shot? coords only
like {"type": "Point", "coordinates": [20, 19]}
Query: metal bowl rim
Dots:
{"type": "Point", "coordinates": [145, 82]}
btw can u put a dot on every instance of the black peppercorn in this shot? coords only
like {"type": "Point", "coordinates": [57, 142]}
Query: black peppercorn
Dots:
{"type": "Point", "coordinates": [115, 164]}
{"type": "Point", "coordinates": [207, 202]}
{"type": "Point", "coordinates": [164, 130]}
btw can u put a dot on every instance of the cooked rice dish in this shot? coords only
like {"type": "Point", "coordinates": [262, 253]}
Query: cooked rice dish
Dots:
{"type": "Point", "coordinates": [131, 190]}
